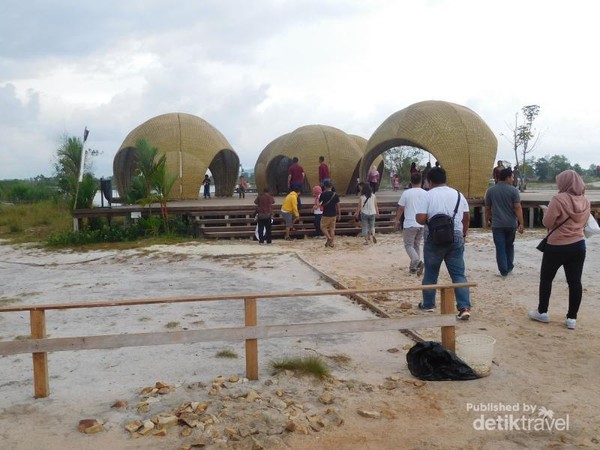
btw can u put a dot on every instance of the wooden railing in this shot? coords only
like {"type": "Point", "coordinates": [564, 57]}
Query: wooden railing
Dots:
{"type": "Point", "coordinates": [39, 345]}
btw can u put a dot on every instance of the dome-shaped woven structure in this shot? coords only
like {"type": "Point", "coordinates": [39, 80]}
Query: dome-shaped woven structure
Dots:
{"type": "Point", "coordinates": [191, 146]}
{"type": "Point", "coordinates": [458, 138]}
{"type": "Point", "coordinates": [341, 151]}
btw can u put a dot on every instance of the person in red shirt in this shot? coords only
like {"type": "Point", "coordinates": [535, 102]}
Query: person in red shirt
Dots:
{"type": "Point", "coordinates": [295, 175]}
{"type": "Point", "coordinates": [264, 214]}
{"type": "Point", "coordinates": [323, 171]}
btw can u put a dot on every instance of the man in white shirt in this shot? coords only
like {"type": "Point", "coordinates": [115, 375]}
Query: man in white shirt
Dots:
{"type": "Point", "coordinates": [412, 233]}
{"type": "Point", "coordinates": [441, 199]}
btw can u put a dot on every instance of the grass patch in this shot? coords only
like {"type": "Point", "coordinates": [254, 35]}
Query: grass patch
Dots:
{"type": "Point", "coordinates": [33, 222]}
{"type": "Point", "coordinates": [312, 365]}
{"type": "Point", "coordinates": [172, 325]}
{"type": "Point", "coordinates": [226, 354]}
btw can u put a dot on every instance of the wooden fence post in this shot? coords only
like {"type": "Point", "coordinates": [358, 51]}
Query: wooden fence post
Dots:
{"type": "Point", "coordinates": [448, 333]}
{"type": "Point", "coordinates": [41, 387]}
{"type": "Point", "coordinates": [251, 344]}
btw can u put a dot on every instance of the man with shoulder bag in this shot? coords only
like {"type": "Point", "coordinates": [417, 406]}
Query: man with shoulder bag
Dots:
{"type": "Point", "coordinates": [445, 212]}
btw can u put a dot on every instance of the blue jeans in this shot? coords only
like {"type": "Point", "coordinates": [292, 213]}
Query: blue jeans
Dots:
{"type": "Point", "coordinates": [504, 240]}
{"type": "Point", "coordinates": [453, 256]}
{"type": "Point", "coordinates": [368, 224]}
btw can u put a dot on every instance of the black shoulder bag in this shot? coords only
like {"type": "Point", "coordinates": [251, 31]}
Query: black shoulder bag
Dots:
{"type": "Point", "coordinates": [441, 226]}
{"type": "Point", "coordinates": [544, 242]}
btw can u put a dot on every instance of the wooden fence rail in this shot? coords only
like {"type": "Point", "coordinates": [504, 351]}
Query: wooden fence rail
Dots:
{"type": "Point", "coordinates": [39, 345]}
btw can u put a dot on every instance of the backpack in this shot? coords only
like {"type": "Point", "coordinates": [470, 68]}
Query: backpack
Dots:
{"type": "Point", "coordinates": [441, 226]}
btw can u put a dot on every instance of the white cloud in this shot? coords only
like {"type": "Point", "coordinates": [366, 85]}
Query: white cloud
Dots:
{"type": "Point", "coordinates": [258, 71]}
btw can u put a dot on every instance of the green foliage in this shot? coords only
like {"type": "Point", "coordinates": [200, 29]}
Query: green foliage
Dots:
{"type": "Point", "coordinates": [37, 189]}
{"type": "Point", "coordinates": [146, 167]}
{"type": "Point", "coordinates": [312, 365]}
{"type": "Point", "coordinates": [67, 166]}
{"type": "Point", "coordinates": [87, 190]}
{"type": "Point", "coordinates": [26, 222]}
{"type": "Point", "coordinates": [399, 159]}
{"type": "Point", "coordinates": [101, 232]}
{"type": "Point", "coordinates": [548, 167]}
{"type": "Point", "coordinates": [137, 191]}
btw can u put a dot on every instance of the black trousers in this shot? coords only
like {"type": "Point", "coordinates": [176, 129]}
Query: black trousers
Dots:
{"type": "Point", "coordinates": [571, 257]}
{"type": "Point", "coordinates": [264, 230]}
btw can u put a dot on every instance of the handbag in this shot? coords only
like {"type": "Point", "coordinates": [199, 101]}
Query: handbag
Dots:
{"type": "Point", "coordinates": [591, 227]}
{"type": "Point", "coordinates": [542, 245]}
{"type": "Point", "coordinates": [544, 242]}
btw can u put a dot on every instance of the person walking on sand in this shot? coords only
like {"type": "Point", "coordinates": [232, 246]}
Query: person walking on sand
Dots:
{"type": "Point", "coordinates": [206, 185]}
{"type": "Point", "coordinates": [323, 171]}
{"type": "Point", "coordinates": [412, 233]}
{"type": "Point", "coordinates": [331, 212]}
{"type": "Point", "coordinates": [566, 216]}
{"type": "Point", "coordinates": [368, 210]}
{"type": "Point", "coordinates": [504, 214]}
{"type": "Point", "coordinates": [441, 199]}
{"type": "Point", "coordinates": [264, 215]}
{"type": "Point", "coordinates": [290, 212]}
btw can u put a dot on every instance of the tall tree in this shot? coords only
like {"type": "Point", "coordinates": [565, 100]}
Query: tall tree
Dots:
{"type": "Point", "coordinates": [399, 159]}
{"type": "Point", "coordinates": [67, 165]}
{"type": "Point", "coordinates": [145, 163]}
{"type": "Point", "coordinates": [163, 183]}
{"type": "Point", "coordinates": [523, 134]}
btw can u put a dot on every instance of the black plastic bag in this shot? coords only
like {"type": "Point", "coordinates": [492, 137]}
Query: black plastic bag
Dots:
{"type": "Point", "coordinates": [432, 362]}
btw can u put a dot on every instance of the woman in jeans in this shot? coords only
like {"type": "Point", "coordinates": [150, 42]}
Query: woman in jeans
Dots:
{"type": "Point", "coordinates": [567, 215]}
{"type": "Point", "coordinates": [368, 210]}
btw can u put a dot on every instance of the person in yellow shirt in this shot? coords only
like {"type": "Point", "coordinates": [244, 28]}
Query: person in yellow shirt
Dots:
{"type": "Point", "coordinates": [289, 210]}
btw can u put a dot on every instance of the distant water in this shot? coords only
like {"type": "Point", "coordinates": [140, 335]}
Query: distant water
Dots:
{"type": "Point", "coordinates": [97, 203]}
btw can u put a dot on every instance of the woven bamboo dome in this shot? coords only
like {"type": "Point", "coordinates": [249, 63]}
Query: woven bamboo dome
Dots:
{"type": "Point", "coordinates": [341, 151]}
{"type": "Point", "coordinates": [455, 135]}
{"type": "Point", "coordinates": [191, 145]}
{"type": "Point", "coordinates": [379, 163]}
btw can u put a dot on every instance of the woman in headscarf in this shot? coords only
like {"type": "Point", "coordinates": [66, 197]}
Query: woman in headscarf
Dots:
{"type": "Point", "coordinates": [567, 215]}
{"type": "Point", "coordinates": [373, 178]}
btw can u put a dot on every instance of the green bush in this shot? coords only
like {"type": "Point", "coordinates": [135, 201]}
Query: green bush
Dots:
{"type": "Point", "coordinates": [98, 231]}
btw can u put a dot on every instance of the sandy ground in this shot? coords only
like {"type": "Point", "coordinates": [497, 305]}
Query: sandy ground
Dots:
{"type": "Point", "coordinates": [537, 366]}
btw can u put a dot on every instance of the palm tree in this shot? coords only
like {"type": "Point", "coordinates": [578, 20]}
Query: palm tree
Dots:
{"type": "Point", "coordinates": [146, 167]}
{"type": "Point", "coordinates": [68, 159]}
{"type": "Point", "coordinates": [163, 183]}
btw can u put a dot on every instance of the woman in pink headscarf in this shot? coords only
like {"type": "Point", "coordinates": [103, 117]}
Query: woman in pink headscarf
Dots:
{"type": "Point", "coordinates": [567, 215]}
{"type": "Point", "coordinates": [373, 178]}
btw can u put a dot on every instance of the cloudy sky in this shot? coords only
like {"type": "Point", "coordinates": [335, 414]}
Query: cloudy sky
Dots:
{"type": "Point", "coordinates": [258, 69]}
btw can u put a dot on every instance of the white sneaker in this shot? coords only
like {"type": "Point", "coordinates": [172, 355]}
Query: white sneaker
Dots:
{"type": "Point", "coordinates": [570, 323]}
{"type": "Point", "coordinates": [535, 315]}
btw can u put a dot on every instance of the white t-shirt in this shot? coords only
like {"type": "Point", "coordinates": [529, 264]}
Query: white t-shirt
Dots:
{"type": "Point", "coordinates": [442, 200]}
{"type": "Point", "coordinates": [409, 200]}
{"type": "Point", "coordinates": [368, 208]}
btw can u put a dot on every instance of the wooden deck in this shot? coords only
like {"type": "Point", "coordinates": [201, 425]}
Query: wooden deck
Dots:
{"type": "Point", "coordinates": [234, 217]}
